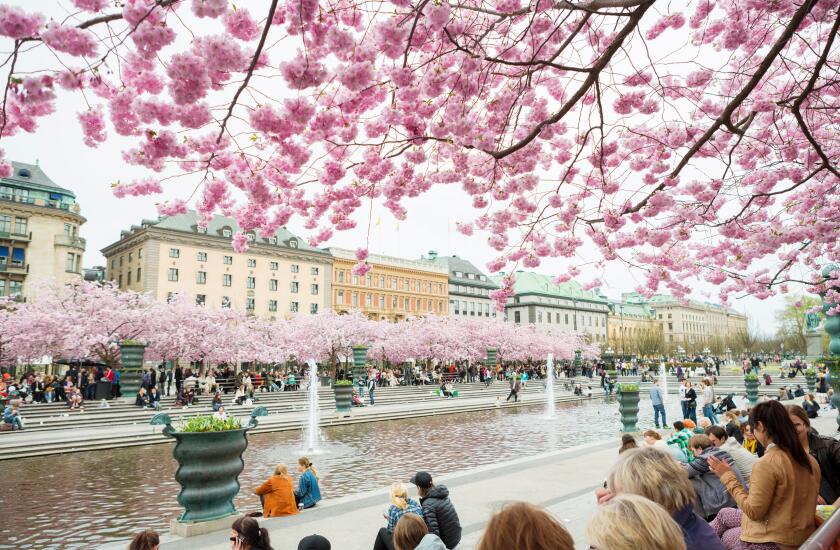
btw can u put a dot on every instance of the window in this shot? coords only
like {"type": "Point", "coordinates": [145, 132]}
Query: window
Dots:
{"type": "Point", "coordinates": [295, 268]}
{"type": "Point", "coordinates": [272, 284]}
{"type": "Point", "coordinates": [295, 287]}
{"type": "Point", "coordinates": [355, 299]}
{"type": "Point", "coordinates": [453, 305]}
{"type": "Point", "coordinates": [355, 279]}
{"type": "Point", "coordinates": [293, 243]}
{"type": "Point", "coordinates": [227, 260]}
{"type": "Point", "coordinates": [251, 283]}
{"type": "Point", "coordinates": [381, 281]}
{"type": "Point", "coordinates": [273, 266]}
{"type": "Point", "coordinates": [71, 261]}
{"type": "Point", "coordinates": [313, 270]}
{"type": "Point", "coordinates": [121, 261]}
{"type": "Point", "coordinates": [313, 308]}
{"type": "Point", "coordinates": [201, 256]}
{"type": "Point", "coordinates": [113, 263]}
{"type": "Point", "coordinates": [130, 257]}
{"type": "Point", "coordinates": [129, 278]}
{"type": "Point", "coordinates": [15, 288]}
{"type": "Point", "coordinates": [472, 310]}
{"type": "Point", "coordinates": [119, 281]}
{"type": "Point", "coordinates": [340, 298]}
{"type": "Point", "coordinates": [5, 224]}
{"type": "Point", "coordinates": [293, 307]}
{"type": "Point", "coordinates": [249, 304]}
{"type": "Point", "coordinates": [139, 253]}
{"type": "Point", "coordinates": [547, 317]}
{"type": "Point", "coordinates": [381, 301]}
{"type": "Point", "coordinates": [539, 316]}
{"type": "Point", "coordinates": [487, 312]}
{"type": "Point", "coordinates": [670, 326]}
{"type": "Point", "coordinates": [201, 277]}
{"type": "Point", "coordinates": [227, 279]}
{"type": "Point", "coordinates": [369, 280]}
{"type": "Point", "coordinates": [138, 274]}
{"type": "Point", "coordinates": [225, 301]}
{"type": "Point", "coordinates": [516, 317]}
{"type": "Point", "coordinates": [252, 262]}
{"type": "Point", "coordinates": [368, 299]}
{"type": "Point", "coordinates": [464, 307]}
{"type": "Point", "coordinates": [314, 290]}
{"type": "Point", "coordinates": [200, 299]}
{"type": "Point", "coordinates": [173, 275]}
{"type": "Point", "coordinates": [459, 274]}
{"type": "Point", "coordinates": [272, 240]}
{"type": "Point", "coordinates": [20, 226]}
{"type": "Point", "coordinates": [272, 305]}
{"type": "Point", "coordinates": [226, 232]}
{"type": "Point", "coordinates": [174, 253]}
{"type": "Point", "coordinates": [340, 276]}
{"type": "Point", "coordinates": [201, 229]}
{"type": "Point", "coordinates": [68, 229]}
{"type": "Point", "coordinates": [2, 287]}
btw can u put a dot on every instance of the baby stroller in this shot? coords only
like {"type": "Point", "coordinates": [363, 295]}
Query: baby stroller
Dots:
{"type": "Point", "coordinates": [726, 404]}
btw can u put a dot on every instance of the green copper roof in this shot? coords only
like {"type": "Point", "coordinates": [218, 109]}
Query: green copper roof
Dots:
{"type": "Point", "coordinates": [188, 223]}
{"type": "Point", "coordinates": [630, 309]}
{"type": "Point", "coordinates": [32, 177]}
{"type": "Point", "coordinates": [527, 282]}
{"type": "Point", "coordinates": [455, 264]}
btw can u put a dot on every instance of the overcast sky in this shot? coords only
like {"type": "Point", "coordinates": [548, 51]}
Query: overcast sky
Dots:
{"type": "Point", "coordinates": [58, 146]}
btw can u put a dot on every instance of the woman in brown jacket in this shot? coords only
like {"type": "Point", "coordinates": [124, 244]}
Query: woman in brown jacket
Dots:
{"type": "Point", "coordinates": [778, 511]}
{"type": "Point", "coordinates": [278, 494]}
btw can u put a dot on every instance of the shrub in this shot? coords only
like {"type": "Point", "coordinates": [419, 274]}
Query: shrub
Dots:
{"type": "Point", "coordinates": [810, 372]}
{"type": "Point", "coordinates": [343, 383]}
{"type": "Point", "coordinates": [209, 424]}
{"type": "Point", "coordinates": [628, 388]}
{"type": "Point", "coordinates": [751, 377]}
{"type": "Point", "coordinates": [612, 374]}
{"type": "Point", "coordinates": [132, 343]}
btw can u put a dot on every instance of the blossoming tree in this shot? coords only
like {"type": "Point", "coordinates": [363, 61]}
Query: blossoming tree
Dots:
{"type": "Point", "coordinates": [687, 139]}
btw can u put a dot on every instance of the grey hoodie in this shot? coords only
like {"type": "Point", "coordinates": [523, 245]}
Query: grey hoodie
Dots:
{"type": "Point", "coordinates": [430, 542]}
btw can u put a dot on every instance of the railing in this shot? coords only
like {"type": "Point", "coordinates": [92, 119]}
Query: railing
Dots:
{"type": "Point", "coordinates": [824, 537]}
{"type": "Point", "coordinates": [58, 205]}
{"type": "Point", "coordinates": [67, 240]}
{"type": "Point", "coordinates": [13, 267]}
{"type": "Point", "coordinates": [12, 236]}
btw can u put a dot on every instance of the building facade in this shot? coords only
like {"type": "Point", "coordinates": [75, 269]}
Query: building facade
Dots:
{"type": "Point", "coordinates": [693, 326]}
{"type": "Point", "coordinates": [633, 329]}
{"type": "Point", "coordinates": [469, 287]}
{"type": "Point", "coordinates": [537, 300]}
{"type": "Point", "coordinates": [277, 277]}
{"type": "Point", "coordinates": [39, 232]}
{"type": "Point", "coordinates": [393, 289]}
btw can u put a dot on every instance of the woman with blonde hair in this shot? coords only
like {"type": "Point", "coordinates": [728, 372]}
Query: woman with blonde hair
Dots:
{"type": "Point", "coordinates": [652, 527]}
{"type": "Point", "coordinates": [524, 526]}
{"type": "Point", "coordinates": [656, 475]}
{"type": "Point", "coordinates": [308, 493]}
{"type": "Point", "coordinates": [400, 505]}
{"type": "Point", "coordinates": [411, 533]}
{"type": "Point", "coordinates": [733, 426]}
{"type": "Point", "coordinates": [278, 494]}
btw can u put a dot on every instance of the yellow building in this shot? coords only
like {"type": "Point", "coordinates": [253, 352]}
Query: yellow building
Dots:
{"type": "Point", "coordinates": [278, 276]}
{"type": "Point", "coordinates": [39, 232]}
{"type": "Point", "coordinates": [394, 288]}
{"type": "Point", "coordinates": [632, 329]}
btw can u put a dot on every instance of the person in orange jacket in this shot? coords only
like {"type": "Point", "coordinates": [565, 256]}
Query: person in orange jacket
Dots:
{"type": "Point", "coordinates": [278, 494]}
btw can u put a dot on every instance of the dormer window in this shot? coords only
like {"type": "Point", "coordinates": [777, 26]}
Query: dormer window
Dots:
{"type": "Point", "coordinates": [293, 243]}
{"type": "Point", "coordinates": [24, 173]}
{"type": "Point", "coordinates": [226, 232]}
{"type": "Point", "coordinates": [251, 237]}
{"type": "Point", "coordinates": [272, 240]}
{"type": "Point", "coordinates": [459, 274]}
{"type": "Point", "coordinates": [201, 229]}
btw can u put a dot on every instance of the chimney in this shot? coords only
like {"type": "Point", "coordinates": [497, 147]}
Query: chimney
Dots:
{"type": "Point", "coordinates": [432, 254]}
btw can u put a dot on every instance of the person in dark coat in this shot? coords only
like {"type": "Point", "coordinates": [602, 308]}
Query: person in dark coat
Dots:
{"type": "Point", "coordinates": [440, 515]}
{"type": "Point", "coordinates": [824, 448]}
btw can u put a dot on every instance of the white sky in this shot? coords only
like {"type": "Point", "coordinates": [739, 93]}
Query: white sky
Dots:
{"type": "Point", "coordinates": [58, 146]}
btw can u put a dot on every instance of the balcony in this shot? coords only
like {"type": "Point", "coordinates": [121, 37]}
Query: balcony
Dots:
{"type": "Point", "coordinates": [72, 242]}
{"type": "Point", "coordinates": [13, 267]}
{"type": "Point", "coordinates": [16, 237]}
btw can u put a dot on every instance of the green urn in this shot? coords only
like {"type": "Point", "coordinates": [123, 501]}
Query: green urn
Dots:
{"type": "Point", "coordinates": [751, 385]}
{"type": "Point", "coordinates": [491, 357]}
{"type": "Point", "coordinates": [359, 363]}
{"type": "Point", "coordinates": [811, 380]}
{"type": "Point", "coordinates": [628, 406]}
{"type": "Point", "coordinates": [209, 464]}
{"type": "Point", "coordinates": [131, 369]}
{"type": "Point", "coordinates": [343, 396]}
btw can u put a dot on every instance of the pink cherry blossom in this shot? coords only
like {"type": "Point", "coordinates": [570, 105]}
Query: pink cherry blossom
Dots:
{"type": "Point", "coordinates": [16, 23]}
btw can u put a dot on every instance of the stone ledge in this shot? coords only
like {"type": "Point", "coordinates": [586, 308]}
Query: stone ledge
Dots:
{"type": "Point", "coordinates": [193, 529]}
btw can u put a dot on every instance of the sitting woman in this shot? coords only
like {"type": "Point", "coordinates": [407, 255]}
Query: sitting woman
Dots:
{"type": "Point", "coordinates": [49, 390]}
{"type": "Point", "coordinates": [401, 504]}
{"type": "Point", "coordinates": [778, 510]}
{"type": "Point", "coordinates": [357, 401]}
{"type": "Point", "coordinates": [217, 401]}
{"type": "Point", "coordinates": [278, 494]}
{"type": "Point", "coordinates": [74, 396]}
{"type": "Point", "coordinates": [653, 528]}
{"type": "Point", "coordinates": [733, 426]}
{"type": "Point", "coordinates": [220, 414]}
{"type": "Point", "coordinates": [154, 398]}
{"type": "Point", "coordinates": [308, 493]}
{"type": "Point", "coordinates": [824, 448]}
{"type": "Point", "coordinates": [810, 406]}
{"type": "Point", "coordinates": [142, 399]}
{"type": "Point", "coordinates": [656, 475]}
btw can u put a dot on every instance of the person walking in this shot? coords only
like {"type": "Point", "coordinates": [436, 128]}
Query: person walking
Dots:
{"type": "Point", "coordinates": [179, 377]}
{"type": "Point", "coordinates": [656, 399]}
{"type": "Point", "coordinates": [438, 511]}
{"type": "Point", "coordinates": [709, 401]}
{"type": "Point", "coordinates": [690, 402]}
{"type": "Point", "coordinates": [371, 386]}
{"type": "Point", "coordinates": [683, 399]}
{"type": "Point", "coordinates": [514, 389]}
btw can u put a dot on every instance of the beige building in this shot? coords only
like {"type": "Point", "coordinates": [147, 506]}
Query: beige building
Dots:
{"type": "Point", "coordinates": [694, 325]}
{"type": "Point", "coordinates": [277, 277]}
{"type": "Point", "coordinates": [39, 232]}
{"type": "Point", "coordinates": [633, 329]}
{"type": "Point", "coordinates": [393, 289]}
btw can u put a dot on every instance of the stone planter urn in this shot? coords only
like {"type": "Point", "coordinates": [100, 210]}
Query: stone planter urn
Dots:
{"type": "Point", "coordinates": [811, 380]}
{"type": "Point", "coordinates": [628, 406]}
{"type": "Point", "coordinates": [578, 364]}
{"type": "Point", "coordinates": [131, 369]}
{"type": "Point", "coordinates": [491, 359]}
{"type": "Point", "coordinates": [751, 385]}
{"type": "Point", "coordinates": [359, 363]}
{"type": "Point", "coordinates": [832, 327]}
{"type": "Point", "coordinates": [209, 464]}
{"type": "Point", "coordinates": [343, 396]}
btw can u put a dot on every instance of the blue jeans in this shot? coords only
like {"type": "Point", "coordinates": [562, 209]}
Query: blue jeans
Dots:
{"type": "Point", "coordinates": [659, 410]}
{"type": "Point", "coordinates": [709, 412]}
{"type": "Point", "coordinates": [14, 421]}
{"type": "Point", "coordinates": [370, 393]}
{"type": "Point", "coordinates": [691, 413]}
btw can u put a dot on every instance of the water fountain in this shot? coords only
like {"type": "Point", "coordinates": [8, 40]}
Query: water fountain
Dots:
{"type": "Point", "coordinates": [549, 386]}
{"type": "Point", "coordinates": [313, 432]}
{"type": "Point", "coordinates": [663, 377]}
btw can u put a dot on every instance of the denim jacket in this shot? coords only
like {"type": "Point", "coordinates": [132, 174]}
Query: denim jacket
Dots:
{"type": "Point", "coordinates": [308, 489]}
